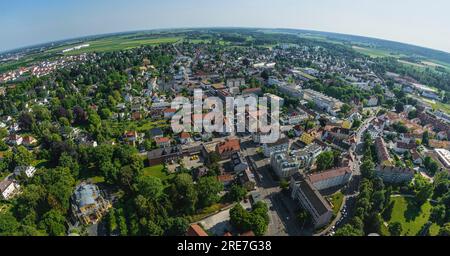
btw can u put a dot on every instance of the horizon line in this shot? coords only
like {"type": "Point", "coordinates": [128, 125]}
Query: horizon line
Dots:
{"type": "Point", "coordinates": [214, 27]}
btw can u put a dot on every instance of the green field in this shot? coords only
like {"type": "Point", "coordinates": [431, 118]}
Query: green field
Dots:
{"type": "Point", "coordinates": [336, 200]}
{"type": "Point", "coordinates": [374, 53]}
{"type": "Point", "coordinates": [115, 44]}
{"type": "Point", "coordinates": [410, 216]}
{"type": "Point", "coordinates": [156, 171]}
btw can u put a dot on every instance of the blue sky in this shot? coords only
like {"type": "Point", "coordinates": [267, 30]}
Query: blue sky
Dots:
{"type": "Point", "coordinates": [420, 22]}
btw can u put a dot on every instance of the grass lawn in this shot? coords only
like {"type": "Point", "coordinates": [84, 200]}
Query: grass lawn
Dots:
{"type": "Point", "coordinates": [374, 53]}
{"type": "Point", "coordinates": [3, 175]}
{"type": "Point", "coordinates": [115, 44]}
{"type": "Point", "coordinates": [336, 200]}
{"type": "Point", "coordinates": [156, 171]}
{"type": "Point", "coordinates": [410, 216]}
{"type": "Point", "coordinates": [205, 212]}
{"type": "Point", "coordinates": [40, 163]}
{"type": "Point", "coordinates": [434, 229]}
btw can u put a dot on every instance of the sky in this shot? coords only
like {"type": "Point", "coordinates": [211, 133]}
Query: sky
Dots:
{"type": "Point", "coordinates": [420, 22]}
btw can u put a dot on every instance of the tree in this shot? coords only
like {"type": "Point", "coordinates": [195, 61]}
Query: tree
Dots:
{"type": "Point", "coordinates": [240, 218]}
{"type": "Point", "coordinates": [184, 194]}
{"type": "Point", "coordinates": [110, 172]}
{"type": "Point", "coordinates": [378, 201]}
{"type": "Point", "coordinates": [208, 189]}
{"type": "Point", "coordinates": [368, 169]}
{"type": "Point", "coordinates": [395, 229]}
{"type": "Point", "coordinates": [150, 187]}
{"type": "Point", "coordinates": [54, 223]}
{"type": "Point", "coordinates": [325, 161]}
{"type": "Point", "coordinates": [399, 107]}
{"type": "Point", "coordinates": [304, 218]}
{"type": "Point", "coordinates": [9, 225]}
{"type": "Point", "coordinates": [438, 213]}
{"type": "Point", "coordinates": [445, 230]}
{"type": "Point", "coordinates": [237, 193]}
{"type": "Point", "coordinates": [26, 121]}
{"type": "Point", "coordinates": [348, 230]}
{"type": "Point", "coordinates": [176, 226]}
{"type": "Point", "coordinates": [152, 229]}
{"type": "Point", "coordinates": [69, 162]}
{"type": "Point", "coordinates": [345, 109]}
{"type": "Point", "coordinates": [22, 157]}
{"type": "Point", "coordinates": [59, 184]}
{"type": "Point", "coordinates": [426, 138]}
{"type": "Point", "coordinates": [259, 226]}
{"type": "Point", "coordinates": [423, 194]}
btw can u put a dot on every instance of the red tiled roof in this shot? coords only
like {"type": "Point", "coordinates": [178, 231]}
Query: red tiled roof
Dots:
{"type": "Point", "coordinates": [196, 230]}
{"type": "Point", "coordinates": [225, 177]}
{"type": "Point", "coordinates": [185, 135]}
{"type": "Point", "coordinates": [228, 146]}
{"type": "Point", "coordinates": [316, 177]}
{"type": "Point", "coordinates": [162, 140]}
{"type": "Point", "coordinates": [170, 110]}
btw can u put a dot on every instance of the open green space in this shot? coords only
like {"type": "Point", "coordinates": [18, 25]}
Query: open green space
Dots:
{"type": "Point", "coordinates": [410, 216]}
{"type": "Point", "coordinates": [156, 171]}
{"type": "Point", "coordinates": [336, 200]}
{"type": "Point", "coordinates": [115, 44]}
{"type": "Point", "coordinates": [373, 52]}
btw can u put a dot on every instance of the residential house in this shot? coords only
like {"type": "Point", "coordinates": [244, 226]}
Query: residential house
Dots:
{"type": "Point", "coordinates": [247, 179]}
{"type": "Point", "coordinates": [130, 137]}
{"type": "Point", "coordinates": [169, 113]}
{"type": "Point", "coordinates": [226, 179]}
{"type": "Point", "coordinates": [27, 170]}
{"type": "Point", "coordinates": [416, 157]}
{"type": "Point", "coordinates": [8, 189]}
{"type": "Point", "coordinates": [196, 230]}
{"type": "Point", "coordinates": [373, 101]}
{"type": "Point", "coordinates": [227, 148]}
{"type": "Point", "coordinates": [162, 142]}
{"type": "Point", "coordinates": [185, 138]}
{"type": "Point", "coordinates": [252, 92]}
{"type": "Point", "coordinates": [382, 152]}
{"type": "Point", "coordinates": [15, 140]}
{"type": "Point", "coordinates": [29, 141]}
{"type": "Point", "coordinates": [156, 133]}
{"type": "Point", "coordinates": [239, 162]}
{"type": "Point", "coordinates": [164, 155]}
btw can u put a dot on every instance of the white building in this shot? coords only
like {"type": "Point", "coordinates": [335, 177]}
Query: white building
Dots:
{"type": "Point", "coordinates": [444, 156]}
{"type": "Point", "coordinates": [282, 145]}
{"type": "Point", "coordinates": [27, 170]}
{"type": "Point", "coordinates": [373, 101]}
{"type": "Point", "coordinates": [331, 178]}
{"type": "Point", "coordinates": [326, 103]}
{"type": "Point", "coordinates": [284, 165]}
{"type": "Point", "coordinates": [8, 188]}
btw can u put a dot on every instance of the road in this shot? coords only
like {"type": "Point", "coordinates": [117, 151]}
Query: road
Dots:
{"type": "Point", "coordinates": [351, 191]}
